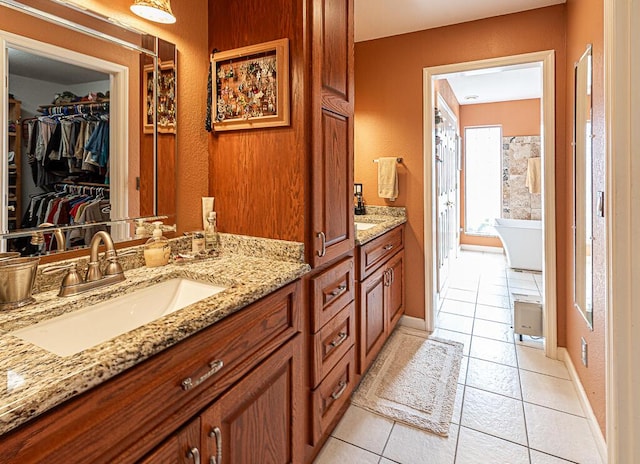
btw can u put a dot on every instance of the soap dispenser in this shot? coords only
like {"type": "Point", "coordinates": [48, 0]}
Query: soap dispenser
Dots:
{"type": "Point", "coordinates": [211, 233]}
{"type": "Point", "coordinates": [141, 231]}
{"type": "Point", "coordinates": [157, 250]}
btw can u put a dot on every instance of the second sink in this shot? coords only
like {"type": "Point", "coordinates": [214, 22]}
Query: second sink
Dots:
{"type": "Point", "coordinates": [76, 331]}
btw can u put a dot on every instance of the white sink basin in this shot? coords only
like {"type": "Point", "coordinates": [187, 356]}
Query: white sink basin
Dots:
{"type": "Point", "coordinates": [74, 332]}
{"type": "Point", "coordinates": [364, 225]}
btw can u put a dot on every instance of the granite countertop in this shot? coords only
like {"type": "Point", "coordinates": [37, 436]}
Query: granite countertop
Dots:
{"type": "Point", "coordinates": [37, 380]}
{"type": "Point", "coordinates": [385, 218]}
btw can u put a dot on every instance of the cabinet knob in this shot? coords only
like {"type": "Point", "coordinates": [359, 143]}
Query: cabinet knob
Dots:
{"type": "Point", "coordinates": [339, 340]}
{"type": "Point", "coordinates": [338, 290]}
{"type": "Point", "coordinates": [194, 453]}
{"type": "Point", "coordinates": [387, 247]}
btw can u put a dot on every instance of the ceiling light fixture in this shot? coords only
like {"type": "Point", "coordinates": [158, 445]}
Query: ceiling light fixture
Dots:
{"type": "Point", "coordinates": [471, 97]}
{"type": "Point", "coordinates": [158, 11]}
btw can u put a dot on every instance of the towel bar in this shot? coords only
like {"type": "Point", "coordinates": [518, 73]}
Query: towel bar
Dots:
{"type": "Point", "coordinates": [399, 160]}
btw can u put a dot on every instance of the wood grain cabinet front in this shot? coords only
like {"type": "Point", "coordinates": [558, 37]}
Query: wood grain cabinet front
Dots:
{"type": "Point", "coordinates": [380, 293]}
{"type": "Point", "coordinates": [129, 415]}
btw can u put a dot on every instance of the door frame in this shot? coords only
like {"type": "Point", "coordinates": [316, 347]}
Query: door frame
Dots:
{"type": "Point", "coordinates": [622, 113]}
{"type": "Point", "coordinates": [547, 60]}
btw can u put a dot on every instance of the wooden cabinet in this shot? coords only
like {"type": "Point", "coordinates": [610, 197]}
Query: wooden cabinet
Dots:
{"type": "Point", "coordinates": [332, 93]}
{"type": "Point", "coordinates": [14, 167]}
{"type": "Point", "coordinates": [182, 448]}
{"type": "Point", "coordinates": [380, 292]}
{"type": "Point", "coordinates": [130, 415]}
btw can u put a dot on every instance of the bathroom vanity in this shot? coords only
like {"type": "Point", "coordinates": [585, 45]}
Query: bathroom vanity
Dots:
{"type": "Point", "coordinates": [209, 375]}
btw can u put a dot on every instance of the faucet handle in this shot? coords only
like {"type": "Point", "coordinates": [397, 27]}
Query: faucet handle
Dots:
{"type": "Point", "coordinates": [72, 277]}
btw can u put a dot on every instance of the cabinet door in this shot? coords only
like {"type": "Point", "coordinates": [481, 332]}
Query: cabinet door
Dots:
{"type": "Point", "coordinates": [332, 133]}
{"type": "Point", "coordinates": [372, 316]}
{"type": "Point", "coordinates": [254, 422]}
{"type": "Point", "coordinates": [395, 290]}
{"type": "Point", "coordinates": [183, 447]}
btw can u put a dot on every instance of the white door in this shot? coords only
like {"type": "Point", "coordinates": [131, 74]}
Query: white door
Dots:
{"type": "Point", "coordinates": [446, 167]}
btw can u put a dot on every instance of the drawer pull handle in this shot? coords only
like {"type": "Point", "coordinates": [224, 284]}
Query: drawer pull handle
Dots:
{"type": "Point", "coordinates": [387, 247]}
{"type": "Point", "coordinates": [323, 239]}
{"type": "Point", "coordinates": [339, 340]}
{"type": "Point", "coordinates": [217, 433]}
{"type": "Point", "coordinates": [194, 453]}
{"type": "Point", "coordinates": [214, 366]}
{"type": "Point", "coordinates": [342, 386]}
{"type": "Point", "coordinates": [338, 290]}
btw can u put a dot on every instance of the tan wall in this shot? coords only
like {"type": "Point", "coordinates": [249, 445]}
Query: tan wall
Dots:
{"type": "Point", "coordinates": [389, 111]}
{"type": "Point", "coordinates": [585, 25]}
{"type": "Point", "coordinates": [521, 117]}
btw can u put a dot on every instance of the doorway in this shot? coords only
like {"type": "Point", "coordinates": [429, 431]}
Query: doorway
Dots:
{"type": "Point", "coordinates": [546, 60]}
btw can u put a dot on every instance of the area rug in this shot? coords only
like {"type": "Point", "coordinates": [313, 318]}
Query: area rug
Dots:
{"type": "Point", "coordinates": [413, 381]}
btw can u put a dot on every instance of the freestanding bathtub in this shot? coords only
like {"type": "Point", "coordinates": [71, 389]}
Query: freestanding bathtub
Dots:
{"type": "Point", "coordinates": [522, 241]}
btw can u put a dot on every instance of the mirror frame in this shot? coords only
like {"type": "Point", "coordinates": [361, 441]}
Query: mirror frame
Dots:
{"type": "Point", "coordinates": [71, 17]}
{"type": "Point", "coordinates": [583, 187]}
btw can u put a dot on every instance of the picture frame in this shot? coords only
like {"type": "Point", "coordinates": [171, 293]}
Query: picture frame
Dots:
{"type": "Point", "coordinates": [250, 87]}
{"type": "Point", "coordinates": [166, 112]}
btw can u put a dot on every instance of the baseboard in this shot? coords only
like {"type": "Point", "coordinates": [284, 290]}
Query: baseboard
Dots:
{"type": "Point", "coordinates": [601, 444]}
{"type": "Point", "coordinates": [486, 249]}
{"type": "Point", "coordinates": [413, 323]}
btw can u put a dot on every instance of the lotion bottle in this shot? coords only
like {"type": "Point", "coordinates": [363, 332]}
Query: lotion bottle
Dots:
{"type": "Point", "coordinates": [157, 250]}
{"type": "Point", "coordinates": [211, 232]}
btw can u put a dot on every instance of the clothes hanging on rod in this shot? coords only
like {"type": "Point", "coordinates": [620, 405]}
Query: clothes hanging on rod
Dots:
{"type": "Point", "coordinates": [73, 142]}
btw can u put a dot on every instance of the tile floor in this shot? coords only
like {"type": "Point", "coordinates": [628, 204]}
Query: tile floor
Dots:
{"type": "Point", "coordinates": [513, 404]}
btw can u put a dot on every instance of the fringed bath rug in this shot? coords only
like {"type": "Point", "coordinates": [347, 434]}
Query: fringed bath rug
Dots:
{"type": "Point", "coordinates": [413, 381]}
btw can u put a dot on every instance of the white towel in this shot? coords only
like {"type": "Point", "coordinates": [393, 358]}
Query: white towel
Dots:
{"type": "Point", "coordinates": [533, 175]}
{"type": "Point", "coordinates": [388, 178]}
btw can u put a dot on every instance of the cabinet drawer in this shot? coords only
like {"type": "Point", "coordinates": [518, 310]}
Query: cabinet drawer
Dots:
{"type": "Point", "coordinates": [332, 394]}
{"type": "Point", "coordinates": [332, 342]}
{"type": "Point", "coordinates": [93, 427]}
{"type": "Point", "coordinates": [331, 290]}
{"type": "Point", "coordinates": [374, 253]}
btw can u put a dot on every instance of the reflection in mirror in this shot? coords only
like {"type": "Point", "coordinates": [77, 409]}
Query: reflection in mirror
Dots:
{"type": "Point", "coordinates": [82, 144]}
{"type": "Point", "coordinates": [583, 225]}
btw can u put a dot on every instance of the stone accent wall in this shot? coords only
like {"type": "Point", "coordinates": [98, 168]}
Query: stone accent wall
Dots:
{"type": "Point", "coordinates": [517, 202]}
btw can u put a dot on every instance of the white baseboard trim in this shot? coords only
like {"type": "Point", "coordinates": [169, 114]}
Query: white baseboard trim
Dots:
{"type": "Point", "coordinates": [601, 444]}
{"type": "Point", "coordinates": [486, 249]}
{"type": "Point", "coordinates": [413, 323]}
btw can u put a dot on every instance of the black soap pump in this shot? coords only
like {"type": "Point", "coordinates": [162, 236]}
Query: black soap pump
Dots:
{"type": "Point", "coordinates": [359, 206]}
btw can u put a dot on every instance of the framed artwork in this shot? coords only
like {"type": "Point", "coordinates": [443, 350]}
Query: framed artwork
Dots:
{"type": "Point", "coordinates": [251, 86]}
{"type": "Point", "coordinates": [166, 112]}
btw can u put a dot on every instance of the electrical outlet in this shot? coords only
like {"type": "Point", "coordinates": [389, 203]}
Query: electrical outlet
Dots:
{"type": "Point", "coordinates": [584, 351]}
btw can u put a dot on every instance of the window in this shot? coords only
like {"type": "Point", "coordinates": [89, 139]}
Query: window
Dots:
{"type": "Point", "coordinates": [483, 179]}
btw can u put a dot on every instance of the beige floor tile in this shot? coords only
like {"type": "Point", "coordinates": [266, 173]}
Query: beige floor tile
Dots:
{"type": "Point", "coordinates": [454, 322]}
{"type": "Point", "coordinates": [463, 370]}
{"type": "Point", "coordinates": [494, 414]}
{"type": "Point", "coordinates": [364, 429]}
{"type": "Point", "coordinates": [461, 308]}
{"type": "Point", "coordinates": [408, 445]}
{"type": "Point", "coordinates": [336, 451]}
{"type": "Point", "coordinates": [493, 313]}
{"type": "Point", "coordinates": [533, 359]}
{"type": "Point", "coordinates": [494, 330]}
{"type": "Point", "coordinates": [487, 299]}
{"type": "Point", "coordinates": [478, 448]}
{"type": "Point", "coordinates": [560, 434]}
{"type": "Point", "coordinates": [541, 458]}
{"type": "Point", "coordinates": [457, 406]}
{"type": "Point", "coordinates": [492, 377]}
{"type": "Point", "coordinates": [552, 392]}
{"type": "Point", "coordinates": [461, 295]}
{"type": "Point", "coordinates": [493, 350]}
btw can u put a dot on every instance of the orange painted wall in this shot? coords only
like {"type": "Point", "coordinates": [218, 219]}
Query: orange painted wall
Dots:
{"type": "Point", "coordinates": [189, 34]}
{"type": "Point", "coordinates": [389, 110]}
{"type": "Point", "coordinates": [585, 25]}
{"type": "Point", "coordinates": [517, 118]}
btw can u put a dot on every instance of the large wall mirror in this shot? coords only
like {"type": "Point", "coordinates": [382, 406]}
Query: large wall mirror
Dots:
{"type": "Point", "coordinates": [87, 123]}
{"type": "Point", "coordinates": [583, 219]}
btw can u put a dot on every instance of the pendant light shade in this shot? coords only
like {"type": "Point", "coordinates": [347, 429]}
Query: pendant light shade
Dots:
{"type": "Point", "coordinates": [158, 11]}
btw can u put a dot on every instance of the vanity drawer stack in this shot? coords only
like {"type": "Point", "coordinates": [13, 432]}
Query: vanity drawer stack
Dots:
{"type": "Point", "coordinates": [380, 265]}
{"type": "Point", "coordinates": [333, 328]}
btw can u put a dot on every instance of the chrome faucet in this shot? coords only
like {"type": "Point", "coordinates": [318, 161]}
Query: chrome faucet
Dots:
{"type": "Point", "coordinates": [73, 283]}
